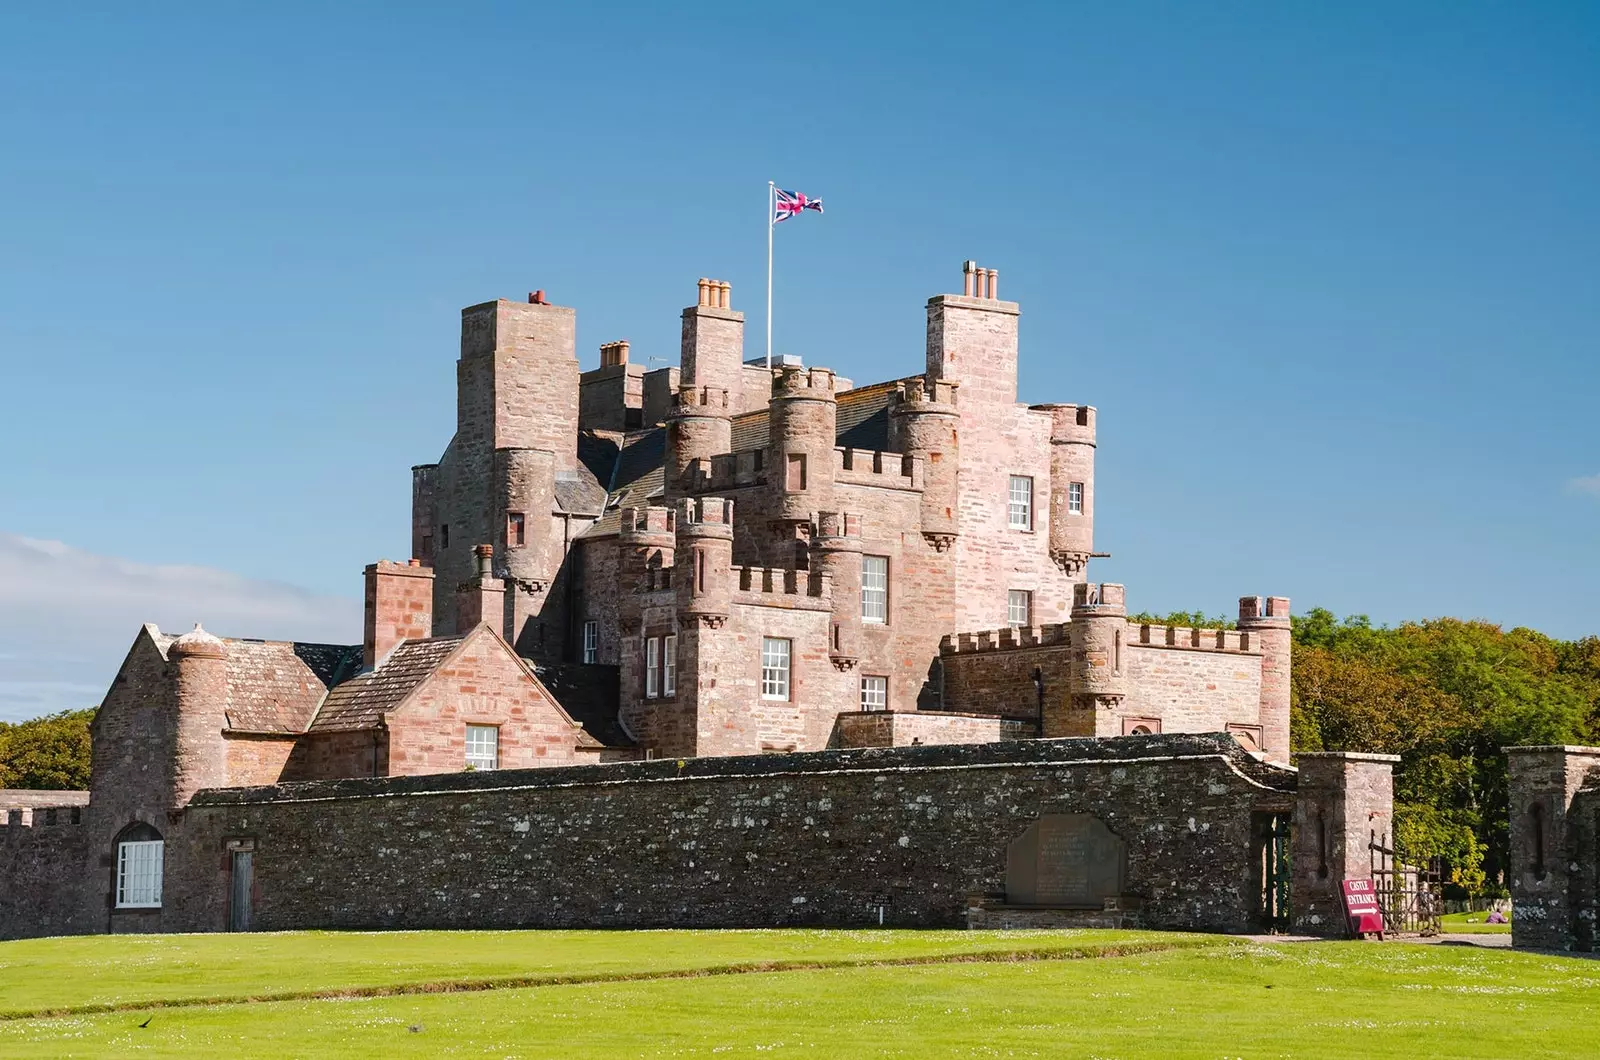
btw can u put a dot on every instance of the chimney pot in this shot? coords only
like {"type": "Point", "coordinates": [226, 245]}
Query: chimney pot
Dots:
{"type": "Point", "coordinates": [537, 297]}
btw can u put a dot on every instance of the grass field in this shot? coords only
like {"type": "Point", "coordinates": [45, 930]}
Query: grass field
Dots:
{"type": "Point", "coordinates": [790, 993]}
{"type": "Point", "coordinates": [1472, 924]}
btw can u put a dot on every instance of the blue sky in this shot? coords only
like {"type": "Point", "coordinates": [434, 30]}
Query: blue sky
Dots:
{"type": "Point", "coordinates": [1329, 273]}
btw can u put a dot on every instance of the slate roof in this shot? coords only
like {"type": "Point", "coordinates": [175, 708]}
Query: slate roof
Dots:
{"type": "Point", "coordinates": [360, 702]}
{"type": "Point", "coordinates": [589, 694]}
{"type": "Point", "coordinates": [274, 686]}
{"type": "Point", "coordinates": [863, 423]}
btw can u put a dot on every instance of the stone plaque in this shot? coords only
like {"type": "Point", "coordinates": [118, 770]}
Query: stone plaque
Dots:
{"type": "Point", "coordinates": [1065, 859]}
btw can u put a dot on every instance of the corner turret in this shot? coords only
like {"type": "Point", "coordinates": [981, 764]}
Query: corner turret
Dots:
{"type": "Point", "coordinates": [1072, 446]}
{"type": "Point", "coordinates": [1099, 672]}
{"type": "Point", "coordinates": [837, 547]}
{"type": "Point", "coordinates": [804, 416]}
{"type": "Point", "coordinates": [200, 678]}
{"type": "Point", "coordinates": [1268, 619]}
{"type": "Point", "coordinates": [924, 422]}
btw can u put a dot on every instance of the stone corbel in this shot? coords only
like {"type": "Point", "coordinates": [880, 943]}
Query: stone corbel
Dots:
{"type": "Point", "coordinates": [940, 542]}
{"type": "Point", "coordinates": [1071, 563]}
{"type": "Point", "coordinates": [842, 663]}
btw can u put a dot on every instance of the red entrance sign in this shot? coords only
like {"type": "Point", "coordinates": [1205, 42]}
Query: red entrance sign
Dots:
{"type": "Point", "coordinates": [1361, 907]}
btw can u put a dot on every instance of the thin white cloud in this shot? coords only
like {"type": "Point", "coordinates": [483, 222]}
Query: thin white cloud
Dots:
{"type": "Point", "coordinates": [1589, 484]}
{"type": "Point", "coordinates": [68, 616]}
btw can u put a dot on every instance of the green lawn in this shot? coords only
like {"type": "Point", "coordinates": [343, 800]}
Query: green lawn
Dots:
{"type": "Point", "coordinates": [1472, 924]}
{"type": "Point", "coordinates": [1213, 997]}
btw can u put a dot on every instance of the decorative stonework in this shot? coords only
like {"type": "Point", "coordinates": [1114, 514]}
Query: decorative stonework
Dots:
{"type": "Point", "coordinates": [940, 542]}
{"type": "Point", "coordinates": [842, 663]}
{"type": "Point", "coordinates": [1071, 563]}
{"type": "Point", "coordinates": [712, 621]}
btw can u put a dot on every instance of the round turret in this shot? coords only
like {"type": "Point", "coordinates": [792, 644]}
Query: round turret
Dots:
{"type": "Point", "coordinates": [200, 693]}
{"type": "Point", "coordinates": [648, 541]}
{"type": "Point", "coordinates": [704, 554]}
{"type": "Point", "coordinates": [197, 643]}
{"type": "Point", "coordinates": [699, 427]}
{"type": "Point", "coordinates": [1266, 620]}
{"type": "Point", "coordinates": [924, 422]}
{"type": "Point", "coordinates": [1099, 626]}
{"type": "Point", "coordinates": [836, 550]}
{"type": "Point", "coordinates": [1072, 446]}
{"type": "Point", "coordinates": [804, 418]}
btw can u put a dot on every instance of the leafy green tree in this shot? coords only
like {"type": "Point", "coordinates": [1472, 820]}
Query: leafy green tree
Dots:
{"type": "Point", "coordinates": [50, 752]}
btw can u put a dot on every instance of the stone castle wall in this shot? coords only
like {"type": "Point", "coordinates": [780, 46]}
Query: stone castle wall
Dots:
{"type": "Point", "coordinates": [815, 839]}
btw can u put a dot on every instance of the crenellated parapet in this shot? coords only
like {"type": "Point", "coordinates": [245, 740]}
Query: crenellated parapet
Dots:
{"type": "Point", "coordinates": [648, 539]}
{"type": "Point", "coordinates": [808, 590]}
{"type": "Point", "coordinates": [1008, 638]}
{"type": "Point", "coordinates": [1150, 635]}
{"type": "Point", "coordinates": [873, 467]}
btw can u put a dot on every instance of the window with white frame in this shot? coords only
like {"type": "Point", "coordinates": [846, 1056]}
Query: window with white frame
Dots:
{"type": "Point", "coordinates": [669, 664]}
{"type": "Point", "coordinates": [140, 857]}
{"type": "Point", "coordinates": [1074, 498]}
{"type": "Point", "coordinates": [1019, 510]}
{"type": "Point", "coordinates": [874, 693]}
{"type": "Point", "coordinates": [774, 668]}
{"type": "Point", "coordinates": [591, 641]}
{"type": "Point", "coordinates": [874, 588]}
{"type": "Point", "coordinates": [483, 746]}
{"type": "Point", "coordinates": [652, 667]}
{"type": "Point", "coordinates": [1019, 607]}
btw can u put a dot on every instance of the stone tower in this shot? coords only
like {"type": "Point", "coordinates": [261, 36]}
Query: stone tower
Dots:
{"type": "Point", "coordinates": [1071, 486]}
{"type": "Point", "coordinates": [708, 657]}
{"type": "Point", "coordinates": [799, 459]}
{"type": "Point", "coordinates": [1267, 619]}
{"type": "Point", "coordinates": [1098, 679]}
{"type": "Point", "coordinates": [699, 427]}
{"type": "Point", "coordinates": [200, 681]}
{"type": "Point", "coordinates": [924, 423]}
{"type": "Point", "coordinates": [837, 548]}
{"type": "Point", "coordinates": [516, 432]}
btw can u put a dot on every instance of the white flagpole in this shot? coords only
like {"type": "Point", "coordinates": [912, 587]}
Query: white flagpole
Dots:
{"type": "Point", "coordinates": [772, 205]}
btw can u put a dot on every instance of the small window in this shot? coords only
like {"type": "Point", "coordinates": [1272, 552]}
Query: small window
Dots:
{"type": "Point", "coordinates": [669, 664]}
{"type": "Point", "coordinates": [483, 747]}
{"type": "Point", "coordinates": [140, 861]}
{"type": "Point", "coordinates": [875, 589]}
{"type": "Point", "coordinates": [516, 529]}
{"type": "Point", "coordinates": [1074, 498]}
{"type": "Point", "coordinates": [1019, 510]}
{"type": "Point", "coordinates": [1019, 607]}
{"type": "Point", "coordinates": [774, 668]}
{"type": "Point", "coordinates": [874, 693]}
{"type": "Point", "coordinates": [591, 641]}
{"type": "Point", "coordinates": [444, 535]}
{"type": "Point", "coordinates": [796, 478]}
{"type": "Point", "coordinates": [427, 550]}
{"type": "Point", "coordinates": [1141, 726]}
{"type": "Point", "coordinates": [652, 667]}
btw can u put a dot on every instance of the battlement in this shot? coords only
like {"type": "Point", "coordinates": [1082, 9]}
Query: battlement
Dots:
{"type": "Point", "coordinates": [1007, 638]}
{"type": "Point", "coordinates": [782, 582]}
{"type": "Point", "coordinates": [1225, 640]}
{"type": "Point", "coordinates": [43, 816]}
{"type": "Point", "coordinates": [706, 400]}
{"type": "Point", "coordinates": [1070, 423]}
{"type": "Point", "coordinates": [705, 511]}
{"type": "Point", "coordinates": [715, 294]}
{"type": "Point", "coordinates": [1102, 598]}
{"type": "Point", "coordinates": [651, 520]}
{"type": "Point", "coordinates": [873, 467]}
{"type": "Point", "coordinates": [729, 471]}
{"type": "Point", "coordinates": [816, 384]}
{"type": "Point", "coordinates": [922, 391]}
{"type": "Point", "coordinates": [838, 524]}
{"type": "Point", "coordinates": [1269, 610]}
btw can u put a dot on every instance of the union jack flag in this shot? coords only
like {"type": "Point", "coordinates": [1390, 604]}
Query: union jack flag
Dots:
{"type": "Point", "coordinates": [787, 204]}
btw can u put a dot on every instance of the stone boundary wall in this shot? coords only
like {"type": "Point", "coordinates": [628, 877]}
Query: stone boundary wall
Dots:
{"type": "Point", "coordinates": [884, 728]}
{"type": "Point", "coordinates": [43, 858]}
{"type": "Point", "coordinates": [819, 839]}
{"type": "Point", "coordinates": [1554, 855]}
{"type": "Point", "coordinates": [35, 798]}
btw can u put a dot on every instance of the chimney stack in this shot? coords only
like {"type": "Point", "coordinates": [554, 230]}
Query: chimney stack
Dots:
{"type": "Point", "coordinates": [483, 599]}
{"type": "Point", "coordinates": [399, 606]}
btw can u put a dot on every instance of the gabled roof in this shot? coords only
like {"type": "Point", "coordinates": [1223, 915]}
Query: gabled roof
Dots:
{"type": "Point", "coordinates": [274, 686]}
{"type": "Point", "coordinates": [361, 702]}
{"type": "Point", "coordinates": [863, 423]}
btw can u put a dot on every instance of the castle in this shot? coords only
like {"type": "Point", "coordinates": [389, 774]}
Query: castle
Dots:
{"type": "Point", "coordinates": [716, 559]}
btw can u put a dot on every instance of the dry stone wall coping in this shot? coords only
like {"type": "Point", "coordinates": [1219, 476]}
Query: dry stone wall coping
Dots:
{"type": "Point", "coordinates": [1020, 754]}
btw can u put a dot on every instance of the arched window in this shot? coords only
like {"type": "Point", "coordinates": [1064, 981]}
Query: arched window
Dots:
{"type": "Point", "coordinates": [139, 863]}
